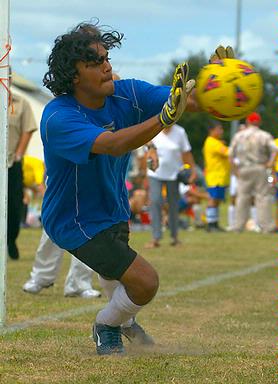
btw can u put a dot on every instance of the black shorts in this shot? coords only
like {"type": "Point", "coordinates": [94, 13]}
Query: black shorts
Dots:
{"type": "Point", "coordinates": [108, 253]}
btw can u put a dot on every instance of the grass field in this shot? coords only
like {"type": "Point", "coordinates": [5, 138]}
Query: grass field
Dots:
{"type": "Point", "coordinates": [213, 319]}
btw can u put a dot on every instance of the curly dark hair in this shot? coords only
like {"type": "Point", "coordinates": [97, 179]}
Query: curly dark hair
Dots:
{"type": "Point", "coordinates": [73, 47]}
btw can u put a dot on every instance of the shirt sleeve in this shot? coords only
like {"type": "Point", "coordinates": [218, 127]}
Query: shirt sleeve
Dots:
{"type": "Point", "coordinates": [232, 150]}
{"type": "Point", "coordinates": [28, 122]}
{"type": "Point", "coordinates": [149, 98]}
{"type": "Point", "coordinates": [185, 145]}
{"type": "Point", "coordinates": [221, 149]}
{"type": "Point", "coordinates": [70, 135]}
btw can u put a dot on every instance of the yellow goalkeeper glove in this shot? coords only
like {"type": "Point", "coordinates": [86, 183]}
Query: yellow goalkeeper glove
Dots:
{"type": "Point", "coordinates": [222, 53]}
{"type": "Point", "coordinates": [175, 105]}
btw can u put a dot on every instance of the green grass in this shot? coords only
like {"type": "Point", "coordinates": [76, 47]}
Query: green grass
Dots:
{"type": "Point", "coordinates": [221, 333]}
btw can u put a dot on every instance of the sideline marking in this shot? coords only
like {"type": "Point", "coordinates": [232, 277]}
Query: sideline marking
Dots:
{"type": "Point", "coordinates": [213, 280]}
{"type": "Point", "coordinates": [208, 281]}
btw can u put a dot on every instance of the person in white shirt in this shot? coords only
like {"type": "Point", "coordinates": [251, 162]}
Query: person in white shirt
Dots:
{"type": "Point", "coordinates": [173, 150]}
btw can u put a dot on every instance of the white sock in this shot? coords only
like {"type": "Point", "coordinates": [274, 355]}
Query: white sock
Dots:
{"type": "Point", "coordinates": [108, 286]}
{"type": "Point", "coordinates": [253, 214]}
{"type": "Point", "coordinates": [119, 310]}
{"type": "Point", "coordinates": [129, 322]}
{"type": "Point", "coordinates": [212, 215]}
{"type": "Point", "coordinates": [231, 216]}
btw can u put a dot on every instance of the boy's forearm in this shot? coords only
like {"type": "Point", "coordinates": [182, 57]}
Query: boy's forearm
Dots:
{"type": "Point", "coordinates": [127, 139]}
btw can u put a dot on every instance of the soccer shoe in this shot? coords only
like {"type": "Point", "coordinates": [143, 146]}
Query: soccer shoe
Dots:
{"type": "Point", "coordinates": [152, 244]}
{"type": "Point", "coordinates": [13, 251]}
{"type": "Point", "coordinates": [87, 294]}
{"type": "Point", "coordinates": [32, 286]}
{"type": "Point", "coordinates": [175, 242]}
{"type": "Point", "coordinates": [90, 293]}
{"type": "Point", "coordinates": [136, 334]}
{"type": "Point", "coordinates": [108, 339]}
{"type": "Point", "coordinates": [214, 227]}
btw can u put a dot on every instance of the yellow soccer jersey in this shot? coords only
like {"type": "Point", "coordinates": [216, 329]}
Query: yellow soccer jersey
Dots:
{"type": "Point", "coordinates": [217, 166]}
{"type": "Point", "coordinates": [33, 171]}
{"type": "Point", "coordinates": [276, 162]}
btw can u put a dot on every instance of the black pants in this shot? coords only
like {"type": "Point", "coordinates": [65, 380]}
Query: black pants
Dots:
{"type": "Point", "coordinates": [15, 201]}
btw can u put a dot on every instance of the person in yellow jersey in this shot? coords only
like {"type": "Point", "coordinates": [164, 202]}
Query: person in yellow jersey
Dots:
{"type": "Point", "coordinates": [33, 182]}
{"type": "Point", "coordinates": [33, 174]}
{"type": "Point", "coordinates": [276, 177]}
{"type": "Point", "coordinates": [217, 173]}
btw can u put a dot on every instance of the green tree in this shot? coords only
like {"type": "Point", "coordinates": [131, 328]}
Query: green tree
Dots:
{"type": "Point", "coordinates": [196, 124]}
{"type": "Point", "coordinates": [268, 107]}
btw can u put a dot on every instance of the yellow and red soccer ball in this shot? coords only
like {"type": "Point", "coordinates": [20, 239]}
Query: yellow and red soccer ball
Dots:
{"type": "Point", "coordinates": [229, 89]}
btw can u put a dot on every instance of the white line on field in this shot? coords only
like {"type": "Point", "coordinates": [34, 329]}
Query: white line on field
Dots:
{"type": "Point", "coordinates": [215, 279]}
{"type": "Point", "coordinates": [208, 281]}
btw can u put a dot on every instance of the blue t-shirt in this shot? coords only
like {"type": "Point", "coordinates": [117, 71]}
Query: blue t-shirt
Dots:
{"type": "Point", "coordinates": [86, 192]}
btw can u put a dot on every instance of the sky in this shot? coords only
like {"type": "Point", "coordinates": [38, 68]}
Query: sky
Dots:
{"type": "Point", "coordinates": [155, 32]}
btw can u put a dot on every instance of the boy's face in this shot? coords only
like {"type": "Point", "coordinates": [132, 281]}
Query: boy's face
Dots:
{"type": "Point", "coordinates": [93, 79]}
{"type": "Point", "coordinates": [217, 131]}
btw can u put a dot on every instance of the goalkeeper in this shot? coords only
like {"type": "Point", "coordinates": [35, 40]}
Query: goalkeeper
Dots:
{"type": "Point", "coordinates": [88, 131]}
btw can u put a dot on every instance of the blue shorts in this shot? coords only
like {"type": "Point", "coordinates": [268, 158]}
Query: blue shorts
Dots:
{"type": "Point", "coordinates": [217, 193]}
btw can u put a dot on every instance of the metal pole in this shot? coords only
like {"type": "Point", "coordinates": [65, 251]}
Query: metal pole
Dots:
{"type": "Point", "coordinates": [234, 124]}
{"type": "Point", "coordinates": [238, 28]}
{"type": "Point", "coordinates": [4, 76]}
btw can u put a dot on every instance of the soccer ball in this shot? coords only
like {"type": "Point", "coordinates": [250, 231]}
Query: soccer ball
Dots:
{"type": "Point", "coordinates": [229, 89]}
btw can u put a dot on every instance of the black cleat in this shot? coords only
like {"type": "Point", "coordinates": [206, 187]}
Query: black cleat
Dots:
{"type": "Point", "coordinates": [108, 339]}
{"type": "Point", "coordinates": [214, 227]}
{"type": "Point", "coordinates": [13, 251]}
{"type": "Point", "coordinates": [136, 334]}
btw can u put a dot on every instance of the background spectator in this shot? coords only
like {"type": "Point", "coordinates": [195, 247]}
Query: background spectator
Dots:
{"type": "Point", "coordinates": [256, 151]}
{"type": "Point", "coordinates": [217, 173]}
{"type": "Point", "coordinates": [173, 149]}
{"type": "Point", "coordinates": [21, 126]}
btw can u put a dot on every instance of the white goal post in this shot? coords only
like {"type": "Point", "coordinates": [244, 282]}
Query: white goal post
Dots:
{"type": "Point", "coordinates": [4, 75]}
